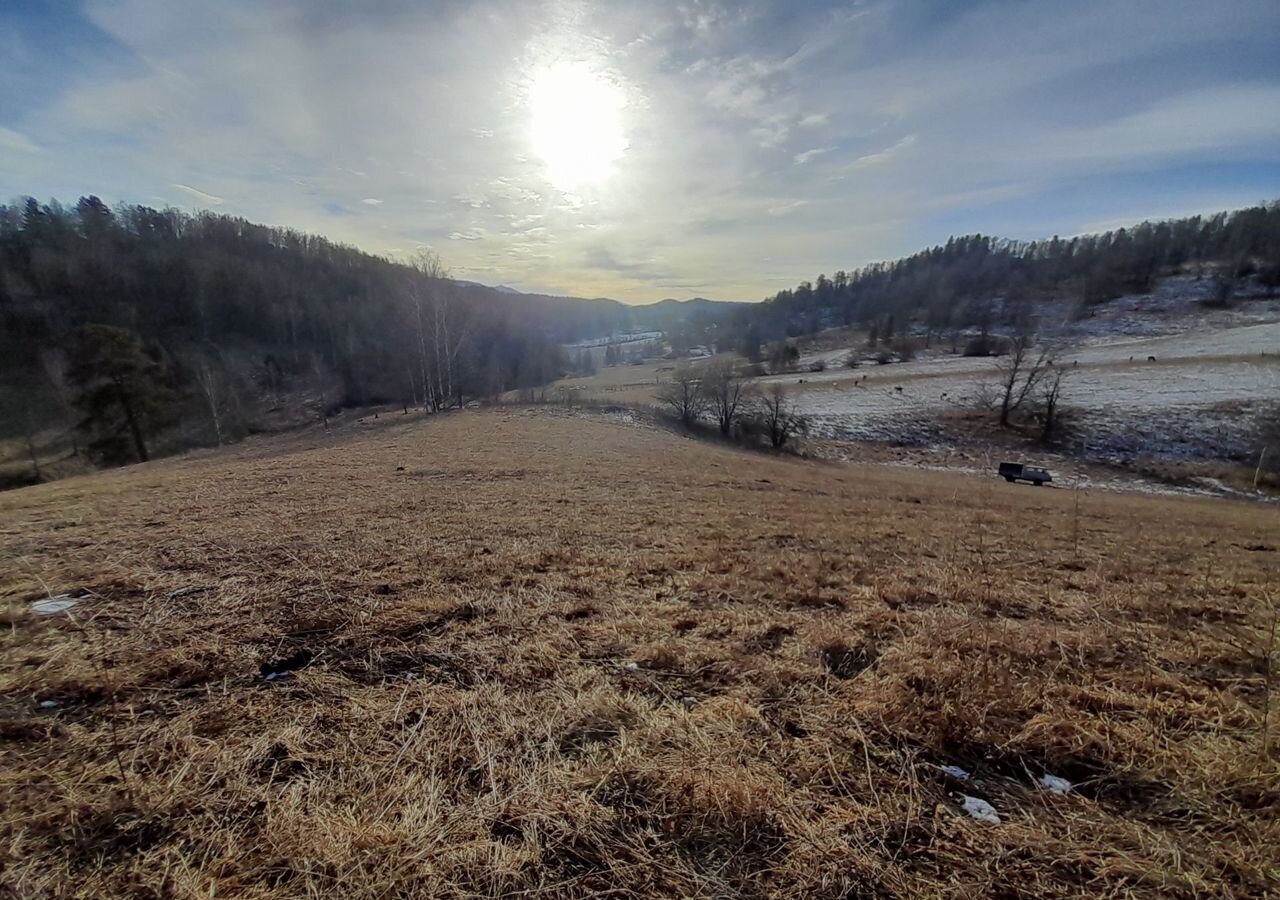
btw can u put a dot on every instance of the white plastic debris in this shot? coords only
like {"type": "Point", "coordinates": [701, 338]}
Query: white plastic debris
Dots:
{"type": "Point", "coordinates": [631, 666]}
{"type": "Point", "coordinates": [1055, 785]}
{"type": "Point", "coordinates": [979, 809]}
{"type": "Point", "coordinates": [60, 603]}
{"type": "Point", "coordinates": [956, 772]}
{"type": "Point", "coordinates": [48, 704]}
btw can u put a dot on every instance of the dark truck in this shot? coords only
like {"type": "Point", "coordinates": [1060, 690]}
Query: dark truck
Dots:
{"type": "Point", "coordinates": [1012, 472]}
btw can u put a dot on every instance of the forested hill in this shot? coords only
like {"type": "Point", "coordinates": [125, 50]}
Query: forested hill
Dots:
{"type": "Point", "coordinates": [245, 324]}
{"type": "Point", "coordinates": [979, 280]}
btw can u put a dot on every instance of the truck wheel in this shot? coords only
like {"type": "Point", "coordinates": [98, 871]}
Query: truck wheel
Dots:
{"type": "Point", "coordinates": [1008, 478]}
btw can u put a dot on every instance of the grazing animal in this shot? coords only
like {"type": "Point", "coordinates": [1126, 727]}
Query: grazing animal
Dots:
{"type": "Point", "coordinates": [1151, 359]}
{"type": "Point", "coordinates": [898, 388]}
{"type": "Point", "coordinates": [1130, 359]}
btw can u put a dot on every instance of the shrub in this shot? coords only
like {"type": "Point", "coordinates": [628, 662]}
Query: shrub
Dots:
{"type": "Point", "coordinates": [784, 357]}
{"type": "Point", "coordinates": [986, 345]}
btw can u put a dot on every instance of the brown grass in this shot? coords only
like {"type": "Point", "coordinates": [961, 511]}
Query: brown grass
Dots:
{"type": "Point", "coordinates": [541, 653]}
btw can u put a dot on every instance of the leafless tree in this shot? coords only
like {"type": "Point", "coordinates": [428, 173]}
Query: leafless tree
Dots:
{"type": "Point", "coordinates": [726, 391]}
{"type": "Point", "coordinates": [211, 387]}
{"type": "Point", "coordinates": [428, 273]}
{"type": "Point", "coordinates": [683, 395]}
{"type": "Point", "coordinates": [1050, 396]}
{"type": "Point", "coordinates": [441, 326]}
{"type": "Point", "coordinates": [779, 418]}
{"type": "Point", "coordinates": [1021, 371]}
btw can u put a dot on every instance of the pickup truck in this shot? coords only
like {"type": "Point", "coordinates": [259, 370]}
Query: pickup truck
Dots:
{"type": "Point", "coordinates": [1012, 472]}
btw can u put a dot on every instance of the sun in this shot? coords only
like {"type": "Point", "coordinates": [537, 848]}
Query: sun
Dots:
{"type": "Point", "coordinates": [576, 124]}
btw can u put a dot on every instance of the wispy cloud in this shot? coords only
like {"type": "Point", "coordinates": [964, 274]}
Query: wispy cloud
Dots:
{"type": "Point", "coordinates": [16, 141]}
{"type": "Point", "coordinates": [883, 156]}
{"type": "Point", "coordinates": [202, 196]}
{"type": "Point", "coordinates": [786, 209]}
{"type": "Point", "coordinates": [801, 158]}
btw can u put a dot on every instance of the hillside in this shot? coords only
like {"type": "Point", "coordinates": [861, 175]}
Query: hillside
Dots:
{"type": "Point", "coordinates": [521, 667]}
{"type": "Point", "coordinates": [248, 328]}
{"type": "Point", "coordinates": [984, 282]}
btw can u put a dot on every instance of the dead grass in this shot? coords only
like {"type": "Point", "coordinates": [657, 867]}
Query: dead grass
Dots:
{"type": "Point", "coordinates": [532, 652]}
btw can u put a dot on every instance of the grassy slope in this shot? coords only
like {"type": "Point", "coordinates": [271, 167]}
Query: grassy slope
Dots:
{"type": "Point", "coordinates": [813, 643]}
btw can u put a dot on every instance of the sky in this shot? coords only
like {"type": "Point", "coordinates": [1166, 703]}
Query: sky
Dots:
{"type": "Point", "coordinates": [643, 150]}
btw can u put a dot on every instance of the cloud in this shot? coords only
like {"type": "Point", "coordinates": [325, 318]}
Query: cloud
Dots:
{"type": "Point", "coordinates": [786, 209]}
{"type": "Point", "coordinates": [801, 158]}
{"type": "Point", "coordinates": [602, 258]}
{"type": "Point", "coordinates": [1219, 119]}
{"type": "Point", "coordinates": [200, 195]}
{"type": "Point", "coordinates": [18, 142]}
{"type": "Point", "coordinates": [371, 201]}
{"type": "Point", "coordinates": [473, 234]}
{"type": "Point", "coordinates": [883, 156]}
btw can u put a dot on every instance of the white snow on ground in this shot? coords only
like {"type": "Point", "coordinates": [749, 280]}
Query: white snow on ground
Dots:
{"type": "Point", "coordinates": [1213, 371]}
{"type": "Point", "coordinates": [1194, 376]}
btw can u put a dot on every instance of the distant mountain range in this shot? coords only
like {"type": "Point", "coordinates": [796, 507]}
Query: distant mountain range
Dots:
{"type": "Point", "coordinates": [667, 303]}
{"type": "Point", "coordinates": [572, 319]}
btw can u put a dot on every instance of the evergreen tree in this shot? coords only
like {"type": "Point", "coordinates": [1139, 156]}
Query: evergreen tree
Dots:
{"type": "Point", "coordinates": [121, 391]}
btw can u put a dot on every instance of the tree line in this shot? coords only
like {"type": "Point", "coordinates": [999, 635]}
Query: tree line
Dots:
{"type": "Point", "coordinates": [947, 288]}
{"type": "Point", "coordinates": [207, 323]}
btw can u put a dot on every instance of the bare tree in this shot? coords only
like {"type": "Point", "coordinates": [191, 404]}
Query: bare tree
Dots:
{"type": "Point", "coordinates": [1050, 396]}
{"type": "Point", "coordinates": [424, 283]}
{"type": "Point", "coordinates": [726, 390]}
{"type": "Point", "coordinates": [210, 381]}
{"type": "Point", "coordinates": [441, 326]}
{"type": "Point", "coordinates": [683, 395]}
{"type": "Point", "coordinates": [778, 416]}
{"type": "Point", "coordinates": [1021, 371]}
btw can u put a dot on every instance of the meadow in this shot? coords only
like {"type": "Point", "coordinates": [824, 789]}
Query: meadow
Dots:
{"type": "Point", "coordinates": [537, 652]}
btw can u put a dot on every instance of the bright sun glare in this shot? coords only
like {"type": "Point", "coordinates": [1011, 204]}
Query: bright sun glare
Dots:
{"type": "Point", "coordinates": [576, 124]}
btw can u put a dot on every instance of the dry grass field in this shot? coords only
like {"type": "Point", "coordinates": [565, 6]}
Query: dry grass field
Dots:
{"type": "Point", "coordinates": [524, 652]}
